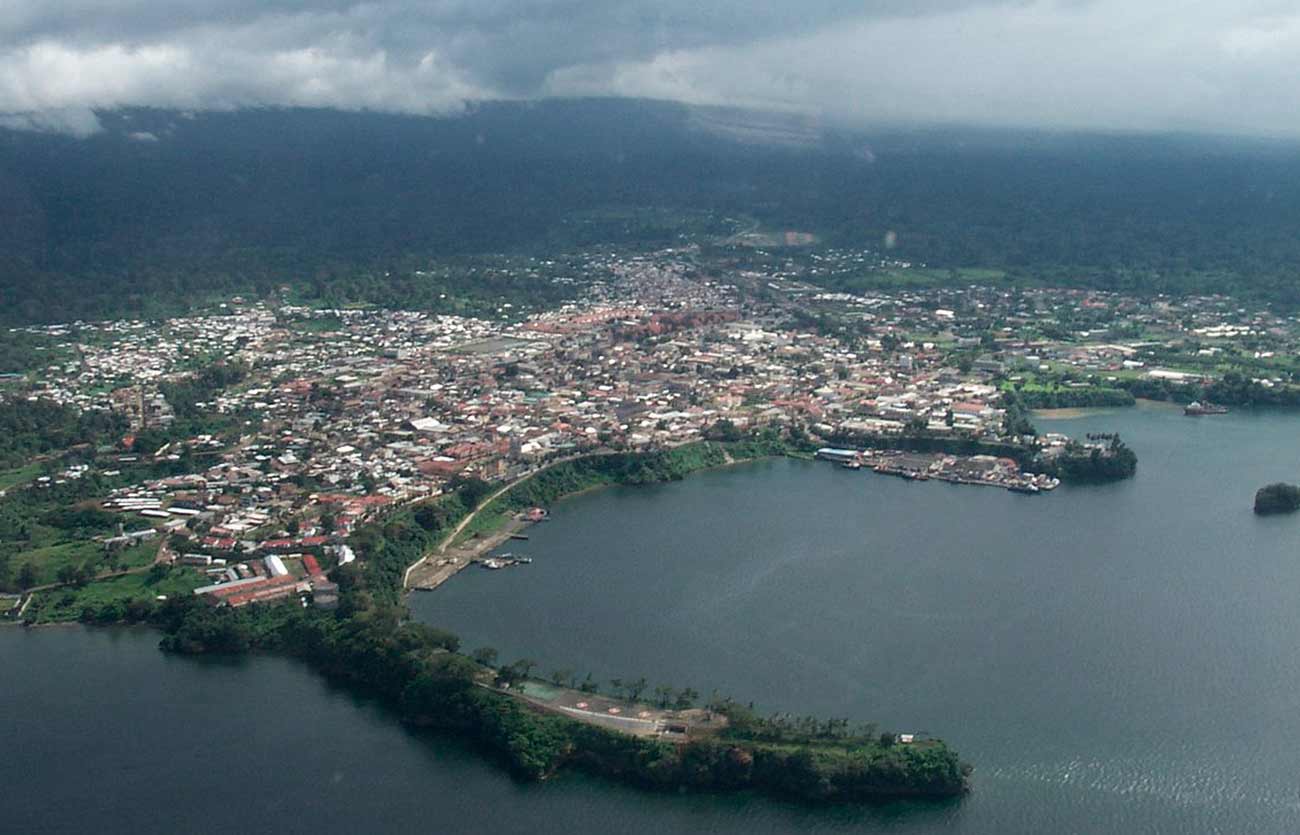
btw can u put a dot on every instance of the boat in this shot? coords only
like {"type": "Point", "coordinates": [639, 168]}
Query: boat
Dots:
{"type": "Point", "coordinates": [1196, 409]}
{"type": "Point", "coordinates": [1017, 487]}
{"type": "Point", "coordinates": [502, 561]}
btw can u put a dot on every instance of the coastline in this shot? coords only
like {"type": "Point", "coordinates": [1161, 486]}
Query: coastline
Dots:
{"type": "Point", "coordinates": [368, 644]}
{"type": "Point", "coordinates": [454, 558]}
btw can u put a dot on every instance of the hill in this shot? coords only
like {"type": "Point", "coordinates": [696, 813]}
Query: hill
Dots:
{"type": "Point", "coordinates": [163, 208]}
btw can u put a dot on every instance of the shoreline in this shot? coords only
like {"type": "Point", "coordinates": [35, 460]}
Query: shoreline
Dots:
{"type": "Point", "coordinates": [463, 555]}
{"type": "Point", "coordinates": [536, 737]}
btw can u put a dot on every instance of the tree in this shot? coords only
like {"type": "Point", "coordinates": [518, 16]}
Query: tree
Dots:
{"type": "Point", "coordinates": [487, 656]}
{"type": "Point", "coordinates": [67, 574]}
{"type": "Point", "coordinates": [27, 576]}
{"type": "Point", "coordinates": [724, 430]}
{"type": "Point", "coordinates": [636, 688]}
{"type": "Point", "coordinates": [686, 699]}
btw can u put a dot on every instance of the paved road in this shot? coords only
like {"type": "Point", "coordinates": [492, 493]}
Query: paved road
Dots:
{"type": "Point", "coordinates": [451, 537]}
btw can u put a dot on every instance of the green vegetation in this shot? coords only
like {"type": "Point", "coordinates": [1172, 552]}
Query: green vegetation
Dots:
{"type": "Point", "coordinates": [191, 399]}
{"type": "Point", "coordinates": [29, 428]}
{"type": "Point", "coordinates": [1107, 459]}
{"type": "Point", "coordinates": [130, 598]}
{"type": "Point", "coordinates": [22, 352]}
{"type": "Point", "coordinates": [1277, 498]}
{"type": "Point", "coordinates": [10, 479]}
{"type": "Point", "coordinates": [47, 528]}
{"type": "Point", "coordinates": [1232, 389]}
{"type": "Point", "coordinates": [616, 468]}
{"type": "Point", "coordinates": [218, 210]}
{"type": "Point", "coordinates": [1057, 396]}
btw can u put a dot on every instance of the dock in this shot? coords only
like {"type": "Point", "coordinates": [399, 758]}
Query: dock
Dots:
{"type": "Point", "coordinates": [976, 470]}
{"type": "Point", "coordinates": [439, 567]}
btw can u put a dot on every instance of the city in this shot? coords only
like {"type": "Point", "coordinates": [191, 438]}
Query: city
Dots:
{"type": "Point", "coordinates": [320, 419]}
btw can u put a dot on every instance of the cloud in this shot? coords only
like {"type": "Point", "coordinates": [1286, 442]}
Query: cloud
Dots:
{"type": "Point", "coordinates": [1107, 64]}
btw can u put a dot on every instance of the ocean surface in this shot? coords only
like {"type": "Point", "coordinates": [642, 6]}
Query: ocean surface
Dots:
{"type": "Point", "coordinates": [1110, 658]}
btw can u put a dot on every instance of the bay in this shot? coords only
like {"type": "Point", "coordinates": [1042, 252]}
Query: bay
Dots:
{"type": "Point", "coordinates": [1110, 658]}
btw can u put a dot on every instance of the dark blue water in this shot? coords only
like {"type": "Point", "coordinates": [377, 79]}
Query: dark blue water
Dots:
{"type": "Point", "coordinates": [1115, 657]}
{"type": "Point", "coordinates": [1118, 658]}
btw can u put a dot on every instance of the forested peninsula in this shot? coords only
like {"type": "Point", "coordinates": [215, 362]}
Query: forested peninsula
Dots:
{"type": "Point", "coordinates": [369, 644]}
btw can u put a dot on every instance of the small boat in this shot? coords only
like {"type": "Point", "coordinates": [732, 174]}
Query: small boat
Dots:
{"type": "Point", "coordinates": [1029, 489]}
{"type": "Point", "coordinates": [502, 561]}
{"type": "Point", "coordinates": [1196, 409]}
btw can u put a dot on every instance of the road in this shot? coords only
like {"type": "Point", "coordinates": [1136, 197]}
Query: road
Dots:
{"type": "Point", "coordinates": [473, 514]}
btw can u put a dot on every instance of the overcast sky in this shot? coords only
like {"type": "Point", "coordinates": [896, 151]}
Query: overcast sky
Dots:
{"type": "Point", "coordinates": [1214, 65]}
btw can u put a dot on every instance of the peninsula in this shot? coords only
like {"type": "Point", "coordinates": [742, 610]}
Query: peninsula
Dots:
{"type": "Point", "coordinates": [537, 728]}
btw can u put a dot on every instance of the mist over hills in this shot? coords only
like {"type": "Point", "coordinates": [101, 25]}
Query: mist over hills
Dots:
{"type": "Point", "coordinates": [161, 207]}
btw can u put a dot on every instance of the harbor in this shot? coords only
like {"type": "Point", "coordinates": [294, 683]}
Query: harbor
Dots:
{"type": "Point", "coordinates": [440, 566]}
{"type": "Point", "coordinates": [978, 470]}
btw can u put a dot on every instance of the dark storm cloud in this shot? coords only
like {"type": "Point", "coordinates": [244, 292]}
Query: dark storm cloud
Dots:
{"type": "Point", "coordinates": [1088, 63]}
{"type": "Point", "coordinates": [508, 44]}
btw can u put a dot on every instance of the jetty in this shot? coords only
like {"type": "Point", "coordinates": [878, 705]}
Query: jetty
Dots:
{"type": "Point", "coordinates": [977, 470]}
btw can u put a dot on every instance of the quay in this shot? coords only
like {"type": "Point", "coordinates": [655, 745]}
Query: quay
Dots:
{"type": "Point", "coordinates": [441, 565]}
{"type": "Point", "coordinates": [977, 470]}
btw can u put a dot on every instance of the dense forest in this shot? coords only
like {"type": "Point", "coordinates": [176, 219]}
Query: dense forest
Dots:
{"type": "Point", "coordinates": [1083, 397]}
{"type": "Point", "coordinates": [1232, 389]}
{"type": "Point", "coordinates": [29, 428]}
{"type": "Point", "coordinates": [162, 209]}
{"type": "Point", "coordinates": [1277, 498]}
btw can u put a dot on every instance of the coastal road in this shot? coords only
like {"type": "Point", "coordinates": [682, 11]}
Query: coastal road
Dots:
{"type": "Point", "coordinates": [473, 514]}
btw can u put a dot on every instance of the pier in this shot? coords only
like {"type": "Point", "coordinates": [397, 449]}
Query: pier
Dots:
{"type": "Point", "coordinates": [977, 470]}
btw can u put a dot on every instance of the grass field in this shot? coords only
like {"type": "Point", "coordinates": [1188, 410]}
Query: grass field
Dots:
{"type": "Point", "coordinates": [49, 560]}
{"type": "Point", "coordinates": [486, 523]}
{"type": "Point", "coordinates": [106, 595]}
{"type": "Point", "coordinates": [19, 475]}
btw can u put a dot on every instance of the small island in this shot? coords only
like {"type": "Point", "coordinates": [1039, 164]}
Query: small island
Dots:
{"type": "Point", "coordinates": [1277, 498]}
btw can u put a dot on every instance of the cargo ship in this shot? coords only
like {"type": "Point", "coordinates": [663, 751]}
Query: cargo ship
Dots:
{"type": "Point", "coordinates": [1196, 409]}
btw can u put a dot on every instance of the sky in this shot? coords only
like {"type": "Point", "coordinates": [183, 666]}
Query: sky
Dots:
{"type": "Point", "coordinates": [1221, 66]}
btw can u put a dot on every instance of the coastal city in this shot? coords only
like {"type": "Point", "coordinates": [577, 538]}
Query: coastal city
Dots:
{"type": "Point", "coordinates": [293, 425]}
{"type": "Point", "coordinates": [761, 418]}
